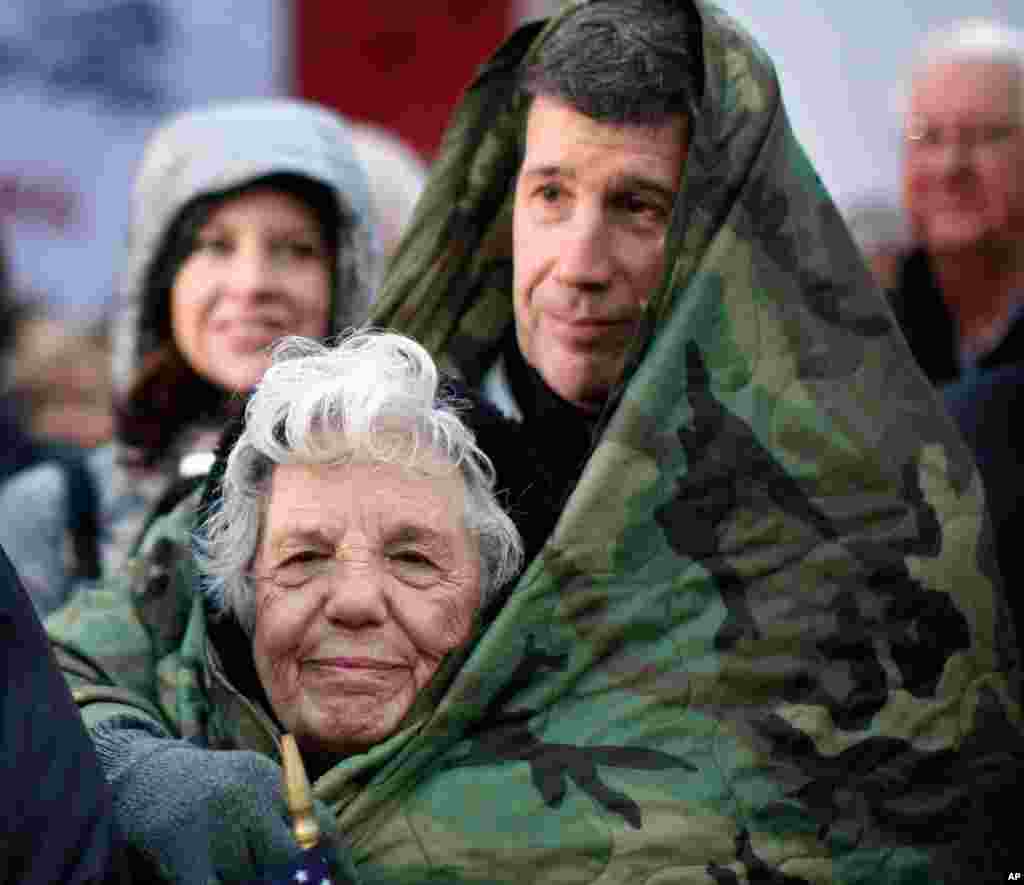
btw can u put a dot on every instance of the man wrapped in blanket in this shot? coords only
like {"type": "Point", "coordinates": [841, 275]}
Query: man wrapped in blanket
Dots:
{"type": "Point", "coordinates": [759, 636]}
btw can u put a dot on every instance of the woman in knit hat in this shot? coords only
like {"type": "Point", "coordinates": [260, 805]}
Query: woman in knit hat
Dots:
{"type": "Point", "coordinates": [249, 221]}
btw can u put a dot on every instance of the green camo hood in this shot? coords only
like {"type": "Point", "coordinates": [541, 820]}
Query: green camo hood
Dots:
{"type": "Point", "coordinates": [773, 579]}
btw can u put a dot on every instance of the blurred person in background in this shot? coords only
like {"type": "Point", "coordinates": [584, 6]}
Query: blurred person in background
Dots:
{"type": "Point", "coordinates": [60, 376]}
{"type": "Point", "coordinates": [22, 447]}
{"type": "Point", "coordinates": [960, 298]}
{"type": "Point", "coordinates": [397, 175]}
{"type": "Point", "coordinates": [249, 221]}
{"type": "Point", "coordinates": [960, 294]}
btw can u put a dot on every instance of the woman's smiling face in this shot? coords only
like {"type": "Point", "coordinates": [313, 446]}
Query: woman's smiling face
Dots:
{"type": "Point", "coordinates": [260, 270]}
{"type": "Point", "coordinates": [366, 577]}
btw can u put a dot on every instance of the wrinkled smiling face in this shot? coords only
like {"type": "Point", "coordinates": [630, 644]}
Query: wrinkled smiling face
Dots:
{"type": "Point", "coordinates": [260, 270]}
{"type": "Point", "coordinates": [366, 577]}
{"type": "Point", "coordinates": [592, 207]}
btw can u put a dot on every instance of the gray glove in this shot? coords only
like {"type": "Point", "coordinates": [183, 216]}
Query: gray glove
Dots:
{"type": "Point", "coordinates": [201, 815]}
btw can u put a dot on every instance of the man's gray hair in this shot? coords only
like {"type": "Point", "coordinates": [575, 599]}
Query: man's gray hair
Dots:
{"type": "Point", "coordinates": [375, 395]}
{"type": "Point", "coordinates": [632, 62]}
{"type": "Point", "coordinates": [967, 40]}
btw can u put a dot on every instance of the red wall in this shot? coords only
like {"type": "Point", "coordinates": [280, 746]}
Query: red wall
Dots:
{"type": "Point", "coordinates": [399, 63]}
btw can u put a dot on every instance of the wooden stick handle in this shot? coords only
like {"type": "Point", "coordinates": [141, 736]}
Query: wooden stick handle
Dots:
{"type": "Point", "coordinates": [298, 795]}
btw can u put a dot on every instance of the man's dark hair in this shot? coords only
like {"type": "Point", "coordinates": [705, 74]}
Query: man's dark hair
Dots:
{"type": "Point", "coordinates": [634, 62]}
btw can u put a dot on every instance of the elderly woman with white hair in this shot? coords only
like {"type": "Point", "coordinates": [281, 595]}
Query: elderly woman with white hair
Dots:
{"type": "Point", "coordinates": [344, 567]}
{"type": "Point", "coordinates": [358, 536]}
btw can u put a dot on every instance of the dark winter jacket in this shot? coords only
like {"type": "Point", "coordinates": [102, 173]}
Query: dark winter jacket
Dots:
{"type": "Point", "coordinates": [930, 330]}
{"type": "Point", "coordinates": [56, 823]}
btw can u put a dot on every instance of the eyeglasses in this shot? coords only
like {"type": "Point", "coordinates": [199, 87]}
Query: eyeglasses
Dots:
{"type": "Point", "coordinates": [926, 137]}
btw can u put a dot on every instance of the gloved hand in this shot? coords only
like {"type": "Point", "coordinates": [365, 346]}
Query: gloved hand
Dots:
{"type": "Point", "coordinates": [200, 815]}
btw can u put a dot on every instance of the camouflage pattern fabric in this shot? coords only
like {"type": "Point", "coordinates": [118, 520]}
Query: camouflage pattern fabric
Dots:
{"type": "Point", "coordinates": [765, 642]}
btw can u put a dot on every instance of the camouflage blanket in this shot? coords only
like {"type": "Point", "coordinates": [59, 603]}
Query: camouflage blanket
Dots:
{"type": "Point", "coordinates": [766, 640]}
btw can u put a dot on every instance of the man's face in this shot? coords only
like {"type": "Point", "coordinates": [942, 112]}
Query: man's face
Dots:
{"type": "Point", "coordinates": [592, 206]}
{"type": "Point", "coordinates": [964, 163]}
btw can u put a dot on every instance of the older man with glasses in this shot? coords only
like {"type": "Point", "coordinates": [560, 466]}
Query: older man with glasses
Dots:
{"type": "Point", "coordinates": [961, 292]}
{"type": "Point", "coordinates": [961, 295]}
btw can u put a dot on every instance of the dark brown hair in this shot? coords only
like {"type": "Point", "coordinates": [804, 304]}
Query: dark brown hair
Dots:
{"type": "Point", "coordinates": [634, 62]}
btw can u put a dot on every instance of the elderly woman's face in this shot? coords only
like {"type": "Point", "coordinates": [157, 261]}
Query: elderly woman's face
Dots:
{"type": "Point", "coordinates": [366, 578]}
